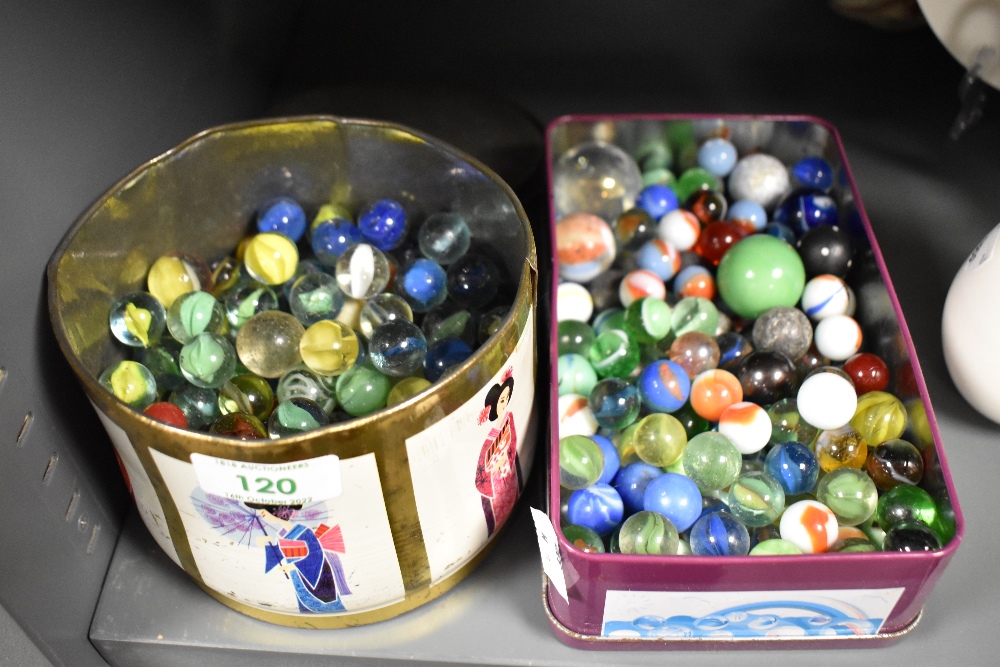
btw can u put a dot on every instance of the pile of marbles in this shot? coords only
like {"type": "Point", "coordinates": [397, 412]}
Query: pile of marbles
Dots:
{"type": "Point", "coordinates": [717, 395]}
{"type": "Point", "coordinates": [305, 325]}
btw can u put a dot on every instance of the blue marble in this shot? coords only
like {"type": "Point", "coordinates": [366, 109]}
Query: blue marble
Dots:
{"type": "Point", "coordinates": [612, 461]}
{"type": "Point", "coordinates": [284, 216]}
{"type": "Point", "coordinates": [816, 210]}
{"type": "Point", "coordinates": [717, 156]}
{"type": "Point", "coordinates": [719, 534]}
{"type": "Point", "coordinates": [652, 257]}
{"type": "Point", "coordinates": [444, 354]}
{"type": "Point", "coordinates": [657, 200]}
{"type": "Point", "coordinates": [331, 238]}
{"type": "Point", "coordinates": [751, 211]}
{"type": "Point", "coordinates": [780, 230]}
{"type": "Point", "coordinates": [631, 482]}
{"type": "Point", "coordinates": [803, 211]}
{"type": "Point", "coordinates": [674, 496]}
{"type": "Point", "coordinates": [615, 402]}
{"type": "Point", "coordinates": [813, 172]}
{"type": "Point", "coordinates": [397, 348]}
{"type": "Point", "coordinates": [664, 386]}
{"type": "Point", "coordinates": [384, 224]}
{"type": "Point", "coordinates": [598, 507]}
{"type": "Point", "coordinates": [423, 285]}
{"type": "Point", "coordinates": [733, 349]}
{"type": "Point", "coordinates": [710, 504]}
{"type": "Point", "coordinates": [794, 466]}
{"type": "Point", "coordinates": [473, 280]}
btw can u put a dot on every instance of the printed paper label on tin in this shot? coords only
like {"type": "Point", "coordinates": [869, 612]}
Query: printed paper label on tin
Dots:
{"type": "Point", "coordinates": [747, 614]}
{"type": "Point", "coordinates": [983, 251]}
{"type": "Point", "coordinates": [327, 557]}
{"type": "Point", "coordinates": [146, 500]}
{"type": "Point", "coordinates": [548, 546]}
{"type": "Point", "coordinates": [468, 468]}
{"type": "Point", "coordinates": [294, 483]}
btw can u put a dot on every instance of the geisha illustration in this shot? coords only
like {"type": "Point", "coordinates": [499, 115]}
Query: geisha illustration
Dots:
{"type": "Point", "coordinates": [498, 472]}
{"type": "Point", "coordinates": [297, 541]}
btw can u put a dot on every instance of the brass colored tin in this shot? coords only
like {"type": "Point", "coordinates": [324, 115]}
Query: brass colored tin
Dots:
{"type": "Point", "coordinates": [201, 196]}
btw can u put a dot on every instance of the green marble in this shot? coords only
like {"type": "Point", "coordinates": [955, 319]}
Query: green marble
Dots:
{"type": "Point", "coordinates": [194, 313]}
{"type": "Point", "coordinates": [654, 154]}
{"type": "Point", "coordinates": [647, 320]}
{"type": "Point", "coordinates": [161, 360]}
{"type": "Point", "coordinates": [575, 375]}
{"type": "Point", "coordinates": [758, 273]}
{"type": "Point", "coordinates": [199, 404]}
{"type": "Point", "coordinates": [362, 390]}
{"type": "Point", "coordinates": [905, 503]}
{"type": "Point", "coordinates": [694, 313]}
{"type": "Point", "coordinates": [208, 360]}
{"type": "Point", "coordinates": [849, 493]}
{"type": "Point", "coordinates": [694, 179]}
{"type": "Point", "coordinates": [756, 498]}
{"type": "Point", "coordinates": [609, 319]}
{"type": "Point", "coordinates": [853, 545]}
{"type": "Point", "coordinates": [614, 354]}
{"type": "Point", "coordinates": [581, 462]}
{"type": "Point", "coordinates": [583, 538]}
{"type": "Point", "coordinates": [294, 416]}
{"type": "Point", "coordinates": [575, 337]}
{"type": "Point", "coordinates": [692, 422]}
{"type": "Point", "coordinates": [777, 547]}
{"type": "Point", "coordinates": [712, 461]}
{"type": "Point", "coordinates": [648, 533]}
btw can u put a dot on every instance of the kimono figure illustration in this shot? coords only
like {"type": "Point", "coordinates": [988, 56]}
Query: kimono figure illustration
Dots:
{"type": "Point", "coordinates": [498, 472]}
{"type": "Point", "coordinates": [309, 557]}
{"type": "Point", "coordinates": [305, 553]}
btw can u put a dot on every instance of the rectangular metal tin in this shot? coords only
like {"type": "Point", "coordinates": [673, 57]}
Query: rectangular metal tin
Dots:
{"type": "Point", "coordinates": [578, 620]}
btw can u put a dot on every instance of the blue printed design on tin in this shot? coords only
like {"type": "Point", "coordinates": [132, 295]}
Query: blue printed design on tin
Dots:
{"type": "Point", "coordinates": [758, 619]}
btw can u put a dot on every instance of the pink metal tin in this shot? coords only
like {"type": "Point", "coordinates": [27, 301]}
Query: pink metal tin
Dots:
{"type": "Point", "coordinates": [618, 601]}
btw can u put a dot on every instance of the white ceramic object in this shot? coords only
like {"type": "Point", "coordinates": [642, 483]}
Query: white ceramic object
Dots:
{"type": "Point", "coordinates": [969, 327]}
{"type": "Point", "coordinates": [965, 27]}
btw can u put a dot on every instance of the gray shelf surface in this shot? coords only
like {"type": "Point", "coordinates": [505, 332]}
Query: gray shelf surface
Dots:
{"type": "Point", "coordinates": [91, 90]}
